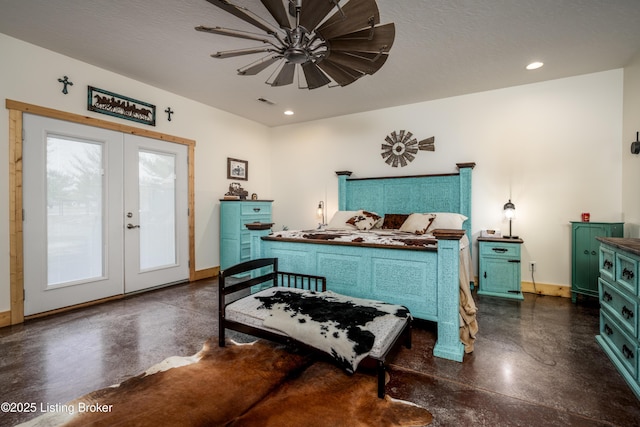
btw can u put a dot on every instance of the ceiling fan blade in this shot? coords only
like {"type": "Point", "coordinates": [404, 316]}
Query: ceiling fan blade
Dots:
{"type": "Point", "coordinates": [279, 13]}
{"type": "Point", "coordinates": [359, 14]}
{"type": "Point", "coordinates": [232, 33]}
{"type": "Point", "coordinates": [314, 76]}
{"type": "Point", "coordinates": [285, 76]}
{"type": "Point", "coordinates": [365, 65]}
{"type": "Point", "coordinates": [244, 14]}
{"type": "Point", "coordinates": [314, 11]}
{"type": "Point", "coordinates": [240, 52]}
{"type": "Point", "coordinates": [340, 75]}
{"type": "Point", "coordinates": [380, 40]}
{"type": "Point", "coordinates": [261, 64]}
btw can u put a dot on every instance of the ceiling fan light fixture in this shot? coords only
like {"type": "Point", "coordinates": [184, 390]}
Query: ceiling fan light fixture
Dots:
{"type": "Point", "coordinates": [322, 42]}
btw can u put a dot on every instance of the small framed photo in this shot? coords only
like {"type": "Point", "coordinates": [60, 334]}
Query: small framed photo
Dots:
{"type": "Point", "coordinates": [237, 169]}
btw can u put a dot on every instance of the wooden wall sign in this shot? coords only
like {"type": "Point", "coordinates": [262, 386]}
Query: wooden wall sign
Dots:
{"type": "Point", "coordinates": [112, 104]}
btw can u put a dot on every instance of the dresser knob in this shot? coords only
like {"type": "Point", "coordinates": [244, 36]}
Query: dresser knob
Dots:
{"type": "Point", "coordinates": [628, 274]}
{"type": "Point", "coordinates": [608, 330]}
{"type": "Point", "coordinates": [607, 264]}
{"type": "Point", "coordinates": [256, 209]}
{"type": "Point", "coordinates": [607, 296]}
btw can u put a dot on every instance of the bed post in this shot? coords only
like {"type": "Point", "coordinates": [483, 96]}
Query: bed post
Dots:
{"type": "Point", "coordinates": [448, 344]}
{"type": "Point", "coordinates": [342, 189]}
{"type": "Point", "coordinates": [465, 194]}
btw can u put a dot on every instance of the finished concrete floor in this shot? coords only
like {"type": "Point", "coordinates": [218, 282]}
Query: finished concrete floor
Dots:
{"type": "Point", "coordinates": [536, 362]}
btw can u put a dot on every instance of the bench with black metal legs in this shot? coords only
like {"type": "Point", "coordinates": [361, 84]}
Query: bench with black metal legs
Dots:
{"type": "Point", "coordinates": [244, 287]}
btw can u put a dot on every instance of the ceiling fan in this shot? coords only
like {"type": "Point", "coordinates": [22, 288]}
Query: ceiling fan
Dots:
{"type": "Point", "coordinates": [328, 42]}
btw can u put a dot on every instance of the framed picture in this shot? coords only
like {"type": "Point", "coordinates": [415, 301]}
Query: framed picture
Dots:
{"type": "Point", "coordinates": [237, 169]}
{"type": "Point", "coordinates": [112, 104]}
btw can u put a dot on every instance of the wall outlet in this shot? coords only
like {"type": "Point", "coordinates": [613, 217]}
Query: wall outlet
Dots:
{"type": "Point", "coordinates": [532, 266]}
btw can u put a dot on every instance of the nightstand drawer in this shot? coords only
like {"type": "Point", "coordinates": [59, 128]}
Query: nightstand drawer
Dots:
{"type": "Point", "coordinates": [506, 250]}
{"type": "Point", "coordinates": [622, 307]}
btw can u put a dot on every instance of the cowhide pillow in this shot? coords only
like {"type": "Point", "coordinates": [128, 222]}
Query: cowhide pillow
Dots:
{"type": "Point", "coordinates": [365, 220]}
{"type": "Point", "coordinates": [418, 223]}
{"type": "Point", "coordinates": [394, 221]}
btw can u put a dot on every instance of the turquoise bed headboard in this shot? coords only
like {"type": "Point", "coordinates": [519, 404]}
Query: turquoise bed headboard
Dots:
{"type": "Point", "coordinates": [408, 194]}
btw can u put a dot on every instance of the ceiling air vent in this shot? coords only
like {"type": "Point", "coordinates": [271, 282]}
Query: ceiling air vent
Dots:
{"type": "Point", "coordinates": [266, 101]}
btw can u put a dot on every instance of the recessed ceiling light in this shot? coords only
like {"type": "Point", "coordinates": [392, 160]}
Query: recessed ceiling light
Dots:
{"type": "Point", "coordinates": [534, 65]}
{"type": "Point", "coordinates": [288, 113]}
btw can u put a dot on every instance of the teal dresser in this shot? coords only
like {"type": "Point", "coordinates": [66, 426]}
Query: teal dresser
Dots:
{"type": "Point", "coordinates": [235, 241]}
{"type": "Point", "coordinates": [500, 267]}
{"type": "Point", "coordinates": [619, 295]}
{"type": "Point", "coordinates": [584, 258]}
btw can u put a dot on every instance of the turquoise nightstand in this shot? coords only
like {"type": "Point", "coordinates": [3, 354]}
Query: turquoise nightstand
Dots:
{"type": "Point", "coordinates": [500, 267]}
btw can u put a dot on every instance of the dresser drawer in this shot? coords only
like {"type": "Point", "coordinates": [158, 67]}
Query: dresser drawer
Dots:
{"type": "Point", "coordinates": [607, 262]}
{"type": "Point", "coordinates": [249, 208]}
{"type": "Point", "coordinates": [623, 308]}
{"type": "Point", "coordinates": [254, 218]}
{"type": "Point", "coordinates": [626, 272]}
{"type": "Point", "coordinates": [498, 249]}
{"type": "Point", "coordinates": [624, 348]}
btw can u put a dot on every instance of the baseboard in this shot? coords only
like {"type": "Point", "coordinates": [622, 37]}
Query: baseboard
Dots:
{"type": "Point", "coordinates": [546, 289]}
{"type": "Point", "coordinates": [542, 289]}
{"type": "Point", "coordinates": [207, 273]}
{"type": "Point", "coordinates": [5, 318]}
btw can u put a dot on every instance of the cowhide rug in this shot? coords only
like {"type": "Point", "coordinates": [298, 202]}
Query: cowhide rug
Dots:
{"type": "Point", "coordinates": [259, 384]}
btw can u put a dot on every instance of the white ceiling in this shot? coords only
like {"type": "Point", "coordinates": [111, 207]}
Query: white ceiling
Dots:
{"type": "Point", "coordinates": [442, 48]}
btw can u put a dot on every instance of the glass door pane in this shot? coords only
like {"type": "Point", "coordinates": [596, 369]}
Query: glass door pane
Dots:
{"type": "Point", "coordinates": [75, 223]}
{"type": "Point", "coordinates": [157, 202]}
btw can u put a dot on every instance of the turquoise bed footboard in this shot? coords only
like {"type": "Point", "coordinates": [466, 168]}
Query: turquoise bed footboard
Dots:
{"type": "Point", "coordinates": [425, 281]}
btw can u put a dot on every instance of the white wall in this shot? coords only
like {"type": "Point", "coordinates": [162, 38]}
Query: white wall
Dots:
{"type": "Point", "coordinates": [30, 74]}
{"type": "Point", "coordinates": [553, 147]}
{"type": "Point", "coordinates": [631, 162]}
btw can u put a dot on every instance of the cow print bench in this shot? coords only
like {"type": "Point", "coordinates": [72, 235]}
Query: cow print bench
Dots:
{"type": "Point", "coordinates": [296, 309]}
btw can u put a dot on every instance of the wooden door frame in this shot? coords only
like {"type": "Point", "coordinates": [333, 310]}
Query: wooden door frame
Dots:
{"type": "Point", "coordinates": [16, 243]}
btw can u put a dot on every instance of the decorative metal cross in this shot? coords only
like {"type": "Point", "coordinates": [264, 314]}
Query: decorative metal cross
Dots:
{"type": "Point", "coordinates": [169, 112]}
{"type": "Point", "coordinates": [66, 83]}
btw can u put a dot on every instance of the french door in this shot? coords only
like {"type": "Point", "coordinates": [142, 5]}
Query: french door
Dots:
{"type": "Point", "coordinates": [105, 213]}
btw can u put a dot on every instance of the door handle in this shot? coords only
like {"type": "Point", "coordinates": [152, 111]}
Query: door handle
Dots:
{"type": "Point", "coordinates": [130, 226]}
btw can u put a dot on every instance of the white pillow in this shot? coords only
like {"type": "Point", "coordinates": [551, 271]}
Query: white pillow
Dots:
{"type": "Point", "coordinates": [417, 223]}
{"type": "Point", "coordinates": [447, 220]}
{"type": "Point", "coordinates": [339, 220]}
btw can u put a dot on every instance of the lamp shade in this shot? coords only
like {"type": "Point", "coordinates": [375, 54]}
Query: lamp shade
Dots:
{"type": "Point", "coordinates": [509, 210]}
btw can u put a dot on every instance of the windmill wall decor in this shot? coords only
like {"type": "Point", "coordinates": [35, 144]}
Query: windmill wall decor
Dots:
{"type": "Point", "coordinates": [401, 148]}
{"type": "Point", "coordinates": [322, 41]}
